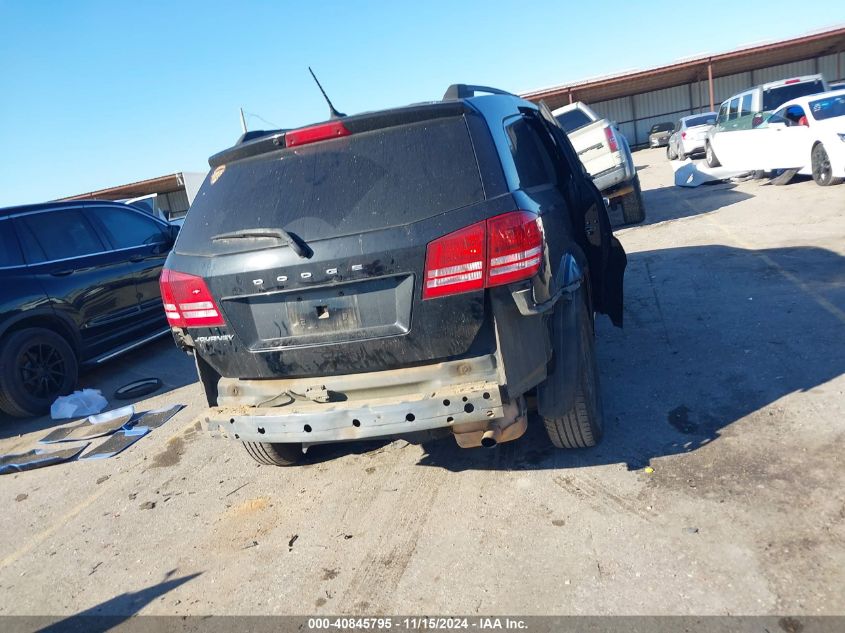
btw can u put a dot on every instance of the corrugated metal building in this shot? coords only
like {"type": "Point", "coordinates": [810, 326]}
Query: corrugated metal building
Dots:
{"type": "Point", "coordinates": [638, 100]}
{"type": "Point", "coordinates": [167, 196]}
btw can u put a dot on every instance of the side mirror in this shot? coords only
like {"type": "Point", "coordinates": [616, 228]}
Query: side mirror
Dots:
{"type": "Point", "coordinates": [757, 120]}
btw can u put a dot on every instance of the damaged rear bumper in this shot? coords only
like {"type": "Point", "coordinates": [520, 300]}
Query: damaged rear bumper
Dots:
{"type": "Point", "coordinates": [465, 396]}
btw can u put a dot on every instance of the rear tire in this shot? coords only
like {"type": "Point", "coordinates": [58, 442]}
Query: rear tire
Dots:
{"type": "Point", "coordinates": [710, 156]}
{"type": "Point", "coordinates": [583, 425]}
{"type": "Point", "coordinates": [274, 454]}
{"type": "Point", "coordinates": [36, 366]}
{"type": "Point", "coordinates": [822, 170]}
{"type": "Point", "coordinates": [633, 209]}
{"type": "Point", "coordinates": [681, 154]}
{"type": "Point", "coordinates": [669, 154]}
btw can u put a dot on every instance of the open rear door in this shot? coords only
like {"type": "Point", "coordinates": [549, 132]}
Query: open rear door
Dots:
{"type": "Point", "coordinates": [604, 252]}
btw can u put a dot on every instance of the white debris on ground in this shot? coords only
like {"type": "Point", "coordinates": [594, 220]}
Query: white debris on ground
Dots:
{"type": "Point", "coordinates": [78, 404]}
{"type": "Point", "coordinates": [691, 174]}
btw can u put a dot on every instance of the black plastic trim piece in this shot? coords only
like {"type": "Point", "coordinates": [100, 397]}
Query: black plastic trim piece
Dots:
{"type": "Point", "coordinates": [138, 388]}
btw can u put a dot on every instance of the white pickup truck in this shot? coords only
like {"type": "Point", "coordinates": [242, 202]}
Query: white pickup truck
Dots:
{"type": "Point", "coordinates": [605, 153]}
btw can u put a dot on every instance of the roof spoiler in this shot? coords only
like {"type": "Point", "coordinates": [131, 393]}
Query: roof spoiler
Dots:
{"type": "Point", "coordinates": [466, 91]}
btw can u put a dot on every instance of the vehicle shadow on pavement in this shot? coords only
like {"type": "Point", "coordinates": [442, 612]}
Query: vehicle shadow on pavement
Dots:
{"type": "Point", "coordinates": [111, 613]}
{"type": "Point", "coordinates": [159, 359]}
{"type": "Point", "coordinates": [713, 336]}
{"type": "Point", "coordinates": [320, 453]}
{"type": "Point", "coordinates": [673, 203]}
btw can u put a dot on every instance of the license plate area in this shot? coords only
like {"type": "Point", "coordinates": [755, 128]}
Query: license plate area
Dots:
{"type": "Point", "coordinates": [369, 308]}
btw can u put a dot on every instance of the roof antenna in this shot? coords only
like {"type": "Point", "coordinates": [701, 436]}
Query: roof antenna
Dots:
{"type": "Point", "coordinates": [335, 113]}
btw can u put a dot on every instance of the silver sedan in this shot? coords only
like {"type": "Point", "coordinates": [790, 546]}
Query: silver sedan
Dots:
{"type": "Point", "coordinates": [689, 135]}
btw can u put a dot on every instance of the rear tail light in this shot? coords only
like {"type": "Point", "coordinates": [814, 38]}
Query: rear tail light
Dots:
{"type": "Point", "coordinates": [791, 81]}
{"type": "Point", "coordinates": [321, 132]}
{"type": "Point", "coordinates": [502, 250]}
{"type": "Point", "coordinates": [455, 262]}
{"type": "Point", "coordinates": [187, 301]}
{"type": "Point", "coordinates": [514, 246]}
{"type": "Point", "coordinates": [611, 139]}
{"type": "Point", "coordinates": [683, 134]}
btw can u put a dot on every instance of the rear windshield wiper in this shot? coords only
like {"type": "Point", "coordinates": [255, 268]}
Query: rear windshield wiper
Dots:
{"type": "Point", "coordinates": [294, 241]}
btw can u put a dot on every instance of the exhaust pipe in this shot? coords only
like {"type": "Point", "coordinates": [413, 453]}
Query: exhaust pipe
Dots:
{"type": "Point", "coordinates": [509, 427]}
{"type": "Point", "coordinates": [490, 438]}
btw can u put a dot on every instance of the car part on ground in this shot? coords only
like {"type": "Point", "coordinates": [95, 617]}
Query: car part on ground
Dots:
{"type": "Point", "coordinates": [784, 177]}
{"type": "Point", "coordinates": [78, 404]}
{"type": "Point", "coordinates": [138, 388]}
{"type": "Point", "coordinates": [155, 418]}
{"type": "Point", "coordinates": [488, 222]}
{"type": "Point", "coordinates": [116, 443]}
{"type": "Point", "coordinates": [37, 458]}
{"type": "Point", "coordinates": [694, 173]}
{"type": "Point", "coordinates": [88, 429]}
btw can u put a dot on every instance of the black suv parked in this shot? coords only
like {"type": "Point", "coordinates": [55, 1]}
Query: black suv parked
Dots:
{"type": "Point", "coordinates": [407, 270]}
{"type": "Point", "coordinates": [78, 285]}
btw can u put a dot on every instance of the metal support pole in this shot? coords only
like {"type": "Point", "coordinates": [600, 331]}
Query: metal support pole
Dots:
{"type": "Point", "coordinates": [710, 82]}
{"type": "Point", "coordinates": [634, 117]}
{"type": "Point", "coordinates": [700, 97]}
{"type": "Point", "coordinates": [691, 107]}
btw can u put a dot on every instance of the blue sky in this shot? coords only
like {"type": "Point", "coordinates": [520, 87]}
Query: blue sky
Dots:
{"type": "Point", "coordinates": [95, 94]}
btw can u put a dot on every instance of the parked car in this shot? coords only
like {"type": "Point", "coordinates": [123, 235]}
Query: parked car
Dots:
{"type": "Point", "coordinates": [151, 204]}
{"type": "Point", "coordinates": [658, 135]}
{"type": "Point", "coordinates": [605, 153]}
{"type": "Point", "coordinates": [748, 109]}
{"type": "Point", "coordinates": [807, 134]}
{"type": "Point", "coordinates": [688, 138]}
{"type": "Point", "coordinates": [79, 286]}
{"type": "Point", "coordinates": [408, 270]}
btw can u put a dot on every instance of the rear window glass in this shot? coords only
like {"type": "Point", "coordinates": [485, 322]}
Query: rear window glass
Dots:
{"type": "Point", "coordinates": [828, 108]}
{"type": "Point", "coordinates": [534, 165]}
{"type": "Point", "coordinates": [572, 120]}
{"type": "Point", "coordinates": [774, 97]}
{"type": "Point", "coordinates": [355, 184]}
{"type": "Point", "coordinates": [127, 228]}
{"type": "Point", "coordinates": [10, 252]}
{"type": "Point", "coordinates": [708, 119]}
{"type": "Point", "coordinates": [662, 127]}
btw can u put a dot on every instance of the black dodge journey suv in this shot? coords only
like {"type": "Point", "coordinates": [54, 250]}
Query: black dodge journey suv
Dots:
{"type": "Point", "coordinates": [415, 269]}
